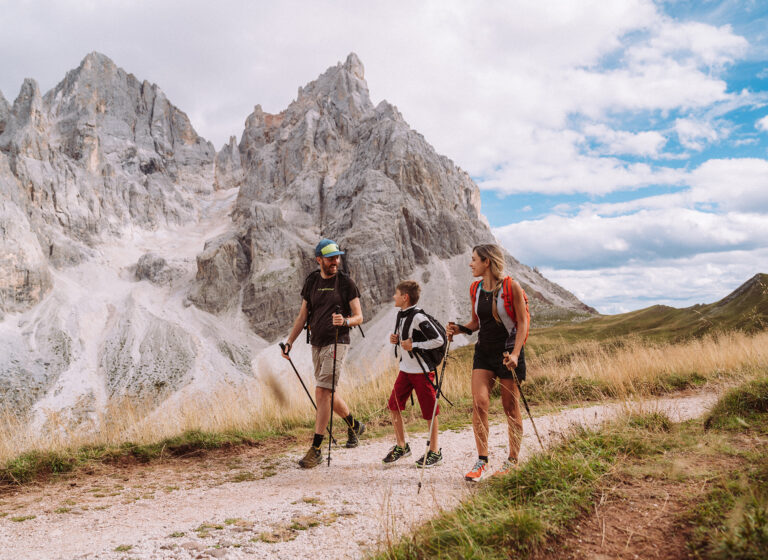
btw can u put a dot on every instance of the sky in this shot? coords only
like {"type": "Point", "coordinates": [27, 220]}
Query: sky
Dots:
{"type": "Point", "coordinates": [620, 147]}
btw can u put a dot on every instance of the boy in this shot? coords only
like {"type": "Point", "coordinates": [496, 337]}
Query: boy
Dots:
{"type": "Point", "coordinates": [422, 336]}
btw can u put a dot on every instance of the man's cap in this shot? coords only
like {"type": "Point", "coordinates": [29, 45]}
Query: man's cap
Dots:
{"type": "Point", "coordinates": [327, 248]}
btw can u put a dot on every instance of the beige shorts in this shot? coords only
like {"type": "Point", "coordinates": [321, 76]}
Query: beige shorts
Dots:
{"type": "Point", "coordinates": [322, 358]}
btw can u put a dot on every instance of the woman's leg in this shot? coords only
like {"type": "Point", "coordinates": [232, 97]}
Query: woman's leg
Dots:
{"type": "Point", "coordinates": [482, 382]}
{"type": "Point", "coordinates": [510, 400]}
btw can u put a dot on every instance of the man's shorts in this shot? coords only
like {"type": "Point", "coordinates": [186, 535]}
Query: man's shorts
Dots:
{"type": "Point", "coordinates": [492, 359]}
{"type": "Point", "coordinates": [425, 392]}
{"type": "Point", "coordinates": [322, 358]}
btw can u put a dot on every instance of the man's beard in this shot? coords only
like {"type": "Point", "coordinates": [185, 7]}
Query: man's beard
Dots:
{"type": "Point", "coordinates": [328, 269]}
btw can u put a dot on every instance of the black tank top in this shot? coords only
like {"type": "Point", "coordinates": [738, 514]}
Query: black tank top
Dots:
{"type": "Point", "coordinates": [492, 334]}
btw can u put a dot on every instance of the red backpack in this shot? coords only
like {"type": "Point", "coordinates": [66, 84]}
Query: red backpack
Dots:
{"type": "Point", "coordinates": [507, 296]}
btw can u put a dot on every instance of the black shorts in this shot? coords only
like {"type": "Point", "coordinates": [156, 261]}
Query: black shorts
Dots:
{"type": "Point", "coordinates": [492, 359]}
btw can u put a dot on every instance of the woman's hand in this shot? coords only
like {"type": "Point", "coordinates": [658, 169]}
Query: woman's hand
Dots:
{"type": "Point", "coordinates": [510, 360]}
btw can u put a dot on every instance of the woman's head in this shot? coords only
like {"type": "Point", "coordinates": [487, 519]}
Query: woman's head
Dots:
{"type": "Point", "coordinates": [485, 257]}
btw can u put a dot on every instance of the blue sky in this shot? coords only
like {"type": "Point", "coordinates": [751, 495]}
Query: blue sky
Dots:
{"type": "Point", "coordinates": [621, 147]}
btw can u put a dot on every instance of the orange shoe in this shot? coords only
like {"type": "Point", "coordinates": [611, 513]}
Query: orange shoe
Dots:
{"type": "Point", "coordinates": [480, 471]}
{"type": "Point", "coordinates": [506, 467]}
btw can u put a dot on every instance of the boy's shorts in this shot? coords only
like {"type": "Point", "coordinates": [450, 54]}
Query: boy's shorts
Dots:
{"type": "Point", "coordinates": [322, 358]}
{"type": "Point", "coordinates": [425, 392]}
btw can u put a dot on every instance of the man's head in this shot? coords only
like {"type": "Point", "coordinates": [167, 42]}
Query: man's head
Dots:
{"type": "Point", "coordinates": [327, 256]}
{"type": "Point", "coordinates": [407, 293]}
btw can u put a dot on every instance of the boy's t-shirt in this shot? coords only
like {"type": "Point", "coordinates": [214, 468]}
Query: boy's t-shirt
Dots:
{"type": "Point", "coordinates": [323, 295]}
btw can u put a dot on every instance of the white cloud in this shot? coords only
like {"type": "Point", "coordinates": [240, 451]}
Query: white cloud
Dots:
{"type": "Point", "coordinates": [616, 142]}
{"type": "Point", "coordinates": [762, 124]}
{"type": "Point", "coordinates": [732, 184]}
{"type": "Point", "coordinates": [703, 278]}
{"type": "Point", "coordinates": [589, 240]}
{"type": "Point", "coordinates": [695, 134]}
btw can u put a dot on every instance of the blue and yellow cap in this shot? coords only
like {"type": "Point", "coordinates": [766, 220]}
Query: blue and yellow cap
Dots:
{"type": "Point", "coordinates": [327, 248]}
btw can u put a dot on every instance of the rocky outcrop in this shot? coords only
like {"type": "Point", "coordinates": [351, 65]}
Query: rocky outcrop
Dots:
{"type": "Point", "coordinates": [100, 151]}
{"type": "Point", "coordinates": [333, 165]}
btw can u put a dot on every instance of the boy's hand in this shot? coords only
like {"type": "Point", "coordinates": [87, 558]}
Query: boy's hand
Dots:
{"type": "Point", "coordinates": [394, 339]}
{"type": "Point", "coordinates": [510, 361]}
{"type": "Point", "coordinates": [407, 344]}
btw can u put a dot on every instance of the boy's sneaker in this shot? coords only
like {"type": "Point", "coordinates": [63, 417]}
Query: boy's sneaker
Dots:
{"type": "Point", "coordinates": [313, 458]}
{"type": "Point", "coordinates": [353, 433]}
{"type": "Point", "coordinates": [506, 467]}
{"type": "Point", "coordinates": [480, 471]}
{"type": "Point", "coordinates": [433, 459]}
{"type": "Point", "coordinates": [396, 453]}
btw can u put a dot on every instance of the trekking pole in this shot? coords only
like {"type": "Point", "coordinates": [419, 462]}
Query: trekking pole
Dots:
{"type": "Point", "coordinates": [333, 384]}
{"type": "Point", "coordinates": [525, 402]}
{"type": "Point", "coordinates": [434, 410]}
{"type": "Point", "coordinates": [282, 346]}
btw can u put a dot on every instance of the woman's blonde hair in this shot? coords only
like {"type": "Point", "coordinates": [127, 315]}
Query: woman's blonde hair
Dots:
{"type": "Point", "coordinates": [495, 256]}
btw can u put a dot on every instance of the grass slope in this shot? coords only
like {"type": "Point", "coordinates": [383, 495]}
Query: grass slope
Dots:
{"type": "Point", "coordinates": [745, 309]}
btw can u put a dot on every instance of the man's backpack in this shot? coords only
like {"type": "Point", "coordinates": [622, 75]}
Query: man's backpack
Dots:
{"type": "Point", "coordinates": [428, 359]}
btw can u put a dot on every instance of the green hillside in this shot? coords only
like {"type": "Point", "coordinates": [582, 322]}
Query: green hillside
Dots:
{"type": "Point", "coordinates": [745, 309]}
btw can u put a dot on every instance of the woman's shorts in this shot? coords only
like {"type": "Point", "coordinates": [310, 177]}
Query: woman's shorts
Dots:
{"type": "Point", "coordinates": [492, 359]}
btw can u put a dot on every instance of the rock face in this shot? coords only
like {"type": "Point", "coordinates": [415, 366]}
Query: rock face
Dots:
{"type": "Point", "coordinates": [100, 154]}
{"type": "Point", "coordinates": [333, 165]}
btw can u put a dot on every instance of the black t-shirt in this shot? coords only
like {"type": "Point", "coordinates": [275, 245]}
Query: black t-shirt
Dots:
{"type": "Point", "coordinates": [322, 296]}
{"type": "Point", "coordinates": [492, 334]}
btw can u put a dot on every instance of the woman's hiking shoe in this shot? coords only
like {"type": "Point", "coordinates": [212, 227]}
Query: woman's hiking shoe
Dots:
{"type": "Point", "coordinates": [396, 453]}
{"type": "Point", "coordinates": [313, 458]}
{"type": "Point", "coordinates": [433, 459]}
{"type": "Point", "coordinates": [506, 467]}
{"type": "Point", "coordinates": [480, 471]}
{"type": "Point", "coordinates": [353, 433]}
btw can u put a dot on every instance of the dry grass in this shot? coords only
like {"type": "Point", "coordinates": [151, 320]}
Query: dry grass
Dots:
{"type": "Point", "coordinates": [572, 373]}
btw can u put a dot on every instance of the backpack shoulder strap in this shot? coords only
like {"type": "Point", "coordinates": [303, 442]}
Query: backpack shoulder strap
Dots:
{"type": "Point", "coordinates": [408, 321]}
{"type": "Point", "coordinates": [473, 296]}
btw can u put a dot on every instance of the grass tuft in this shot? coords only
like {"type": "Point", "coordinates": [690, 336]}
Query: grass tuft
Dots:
{"type": "Point", "coordinates": [739, 405]}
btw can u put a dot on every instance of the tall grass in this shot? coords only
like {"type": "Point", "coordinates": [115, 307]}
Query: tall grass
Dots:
{"type": "Point", "coordinates": [272, 406]}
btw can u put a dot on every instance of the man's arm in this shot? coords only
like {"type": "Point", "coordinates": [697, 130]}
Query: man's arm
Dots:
{"type": "Point", "coordinates": [298, 324]}
{"type": "Point", "coordinates": [353, 320]}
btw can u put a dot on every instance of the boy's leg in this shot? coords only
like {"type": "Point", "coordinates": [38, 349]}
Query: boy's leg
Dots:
{"type": "Point", "coordinates": [397, 425]}
{"type": "Point", "coordinates": [433, 436]}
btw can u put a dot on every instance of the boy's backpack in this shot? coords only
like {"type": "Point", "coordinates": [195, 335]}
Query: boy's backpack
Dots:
{"type": "Point", "coordinates": [428, 359]}
{"type": "Point", "coordinates": [508, 298]}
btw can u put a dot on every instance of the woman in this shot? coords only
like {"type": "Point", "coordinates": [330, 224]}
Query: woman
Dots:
{"type": "Point", "coordinates": [500, 313]}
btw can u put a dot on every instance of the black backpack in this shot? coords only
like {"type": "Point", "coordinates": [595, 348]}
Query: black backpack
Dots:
{"type": "Point", "coordinates": [428, 359]}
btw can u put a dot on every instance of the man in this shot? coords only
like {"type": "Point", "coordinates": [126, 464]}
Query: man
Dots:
{"type": "Point", "coordinates": [324, 291]}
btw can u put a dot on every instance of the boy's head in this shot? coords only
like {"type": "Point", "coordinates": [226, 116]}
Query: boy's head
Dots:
{"type": "Point", "coordinates": [407, 293]}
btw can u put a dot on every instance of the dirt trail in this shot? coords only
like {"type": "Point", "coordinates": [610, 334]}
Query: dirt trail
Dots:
{"type": "Point", "coordinates": [249, 507]}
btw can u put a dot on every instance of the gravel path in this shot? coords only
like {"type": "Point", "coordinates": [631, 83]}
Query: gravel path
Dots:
{"type": "Point", "coordinates": [271, 509]}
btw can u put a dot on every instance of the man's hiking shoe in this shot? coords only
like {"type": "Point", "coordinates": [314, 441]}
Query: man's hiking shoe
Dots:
{"type": "Point", "coordinates": [313, 458]}
{"type": "Point", "coordinates": [506, 467]}
{"type": "Point", "coordinates": [396, 453]}
{"type": "Point", "coordinates": [480, 471]}
{"type": "Point", "coordinates": [353, 433]}
{"type": "Point", "coordinates": [433, 459]}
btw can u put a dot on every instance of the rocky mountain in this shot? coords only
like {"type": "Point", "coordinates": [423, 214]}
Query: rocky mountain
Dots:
{"type": "Point", "coordinates": [136, 261]}
{"type": "Point", "coordinates": [334, 165]}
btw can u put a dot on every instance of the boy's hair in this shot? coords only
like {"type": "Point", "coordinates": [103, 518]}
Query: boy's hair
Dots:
{"type": "Point", "coordinates": [411, 289]}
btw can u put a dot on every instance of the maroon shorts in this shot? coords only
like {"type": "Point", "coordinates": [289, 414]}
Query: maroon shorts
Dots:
{"type": "Point", "coordinates": [425, 392]}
